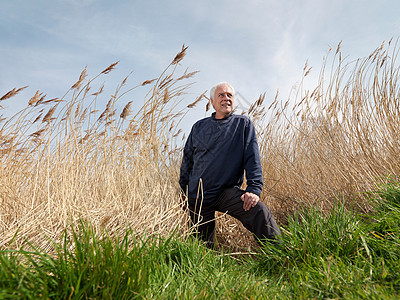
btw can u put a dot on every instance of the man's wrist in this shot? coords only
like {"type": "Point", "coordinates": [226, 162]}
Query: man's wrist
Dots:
{"type": "Point", "coordinates": [253, 191]}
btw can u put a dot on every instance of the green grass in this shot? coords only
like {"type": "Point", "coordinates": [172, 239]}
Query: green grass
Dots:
{"type": "Point", "coordinates": [90, 267]}
{"type": "Point", "coordinates": [340, 255]}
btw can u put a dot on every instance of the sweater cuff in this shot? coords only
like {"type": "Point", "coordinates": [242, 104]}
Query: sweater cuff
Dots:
{"type": "Point", "coordinates": [254, 190]}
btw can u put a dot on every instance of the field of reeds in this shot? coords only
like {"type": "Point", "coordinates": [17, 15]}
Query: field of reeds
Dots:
{"type": "Point", "coordinates": [337, 140]}
{"type": "Point", "coordinates": [68, 159]}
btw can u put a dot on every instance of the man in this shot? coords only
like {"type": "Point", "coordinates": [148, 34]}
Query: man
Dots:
{"type": "Point", "coordinates": [217, 152]}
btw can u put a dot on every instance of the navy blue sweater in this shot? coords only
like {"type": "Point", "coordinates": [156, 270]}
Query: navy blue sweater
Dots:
{"type": "Point", "coordinates": [218, 151]}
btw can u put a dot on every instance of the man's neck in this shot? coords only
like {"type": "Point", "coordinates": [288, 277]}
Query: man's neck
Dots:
{"type": "Point", "coordinates": [219, 117]}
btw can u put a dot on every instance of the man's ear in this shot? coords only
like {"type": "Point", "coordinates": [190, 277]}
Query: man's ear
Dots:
{"type": "Point", "coordinates": [212, 102]}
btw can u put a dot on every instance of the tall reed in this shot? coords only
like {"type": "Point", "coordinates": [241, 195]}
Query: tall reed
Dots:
{"type": "Point", "coordinates": [337, 140]}
{"type": "Point", "coordinates": [67, 159]}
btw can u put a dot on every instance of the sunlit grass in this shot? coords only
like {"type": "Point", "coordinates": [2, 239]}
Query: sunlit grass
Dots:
{"type": "Point", "coordinates": [339, 255]}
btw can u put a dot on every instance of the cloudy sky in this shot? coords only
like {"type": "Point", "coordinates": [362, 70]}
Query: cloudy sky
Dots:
{"type": "Point", "coordinates": [257, 45]}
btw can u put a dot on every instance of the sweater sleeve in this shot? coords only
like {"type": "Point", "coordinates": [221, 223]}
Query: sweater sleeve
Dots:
{"type": "Point", "coordinates": [252, 162]}
{"type": "Point", "coordinates": [187, 164]}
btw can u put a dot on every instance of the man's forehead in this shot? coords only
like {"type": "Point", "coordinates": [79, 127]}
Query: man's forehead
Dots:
{"type": "Point", "coordinates": [224, 88]}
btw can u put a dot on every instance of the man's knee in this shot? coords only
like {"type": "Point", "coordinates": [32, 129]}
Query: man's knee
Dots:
{"type": "Point", "coordinates": [262, 222]}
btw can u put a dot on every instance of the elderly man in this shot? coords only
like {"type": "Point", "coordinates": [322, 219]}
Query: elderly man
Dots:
{"type": "Point", "coordinates": [217, 153]}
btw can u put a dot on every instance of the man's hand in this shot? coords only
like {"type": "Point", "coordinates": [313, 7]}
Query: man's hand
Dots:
{"type": "Point", "coordinates": [249, 200]}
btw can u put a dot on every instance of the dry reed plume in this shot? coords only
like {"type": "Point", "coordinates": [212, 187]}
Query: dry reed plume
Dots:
{"type": "Point", "coordinates": [64, 160]}
{"type": "Point", "coordinates": [337, 141]}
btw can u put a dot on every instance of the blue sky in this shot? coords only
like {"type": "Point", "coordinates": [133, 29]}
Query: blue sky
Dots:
{"type": "Point", "coordinates": [258, 46]}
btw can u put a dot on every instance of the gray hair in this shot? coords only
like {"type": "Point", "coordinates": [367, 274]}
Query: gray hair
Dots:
{"type": "Point", "coordinates": [212, 91]}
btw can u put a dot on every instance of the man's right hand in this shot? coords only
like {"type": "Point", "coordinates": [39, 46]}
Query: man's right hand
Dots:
{"type": "Point", "coordinates": [249, 200]}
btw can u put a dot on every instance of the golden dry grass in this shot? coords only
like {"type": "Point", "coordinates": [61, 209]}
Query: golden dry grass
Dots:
{"type": "Point", "coordinates": [65, 159]}
{"type": "Point", "coordinates": [339, 140]}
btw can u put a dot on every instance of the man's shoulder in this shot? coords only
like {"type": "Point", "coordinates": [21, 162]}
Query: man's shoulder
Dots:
{"type": "Point", "coordinates": [203, 121]}
{"type": "Point", "coordinates": [241, 117]}
{"type": "Point", "coordinates": [202, 124]}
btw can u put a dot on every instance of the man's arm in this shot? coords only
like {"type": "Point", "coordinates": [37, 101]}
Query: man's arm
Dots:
{"type": "Point", "coordinates": [252, 166]}
{"type": "Point", "coordinates": [187, 164]}
{"type": "Point", "coordinates": [252, 162]}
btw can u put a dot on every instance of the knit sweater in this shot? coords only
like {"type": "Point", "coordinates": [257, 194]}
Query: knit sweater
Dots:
{"type": "Point", "coordinates": [216, 155]}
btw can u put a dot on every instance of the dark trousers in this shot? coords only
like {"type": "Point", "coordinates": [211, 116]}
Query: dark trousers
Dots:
{"type": "Point", "coordinates": [259, 219]}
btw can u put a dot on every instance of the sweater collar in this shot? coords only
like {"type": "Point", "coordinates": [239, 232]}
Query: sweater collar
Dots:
{"type": "Point", "coordinates": [226, 118]}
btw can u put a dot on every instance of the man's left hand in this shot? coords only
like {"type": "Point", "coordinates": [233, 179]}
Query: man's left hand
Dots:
{"type": "Point", "coordinates": [249, 200]}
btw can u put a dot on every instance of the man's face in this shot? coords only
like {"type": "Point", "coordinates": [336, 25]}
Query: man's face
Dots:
{"type": "Point", "coordinates": [223, 101]}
